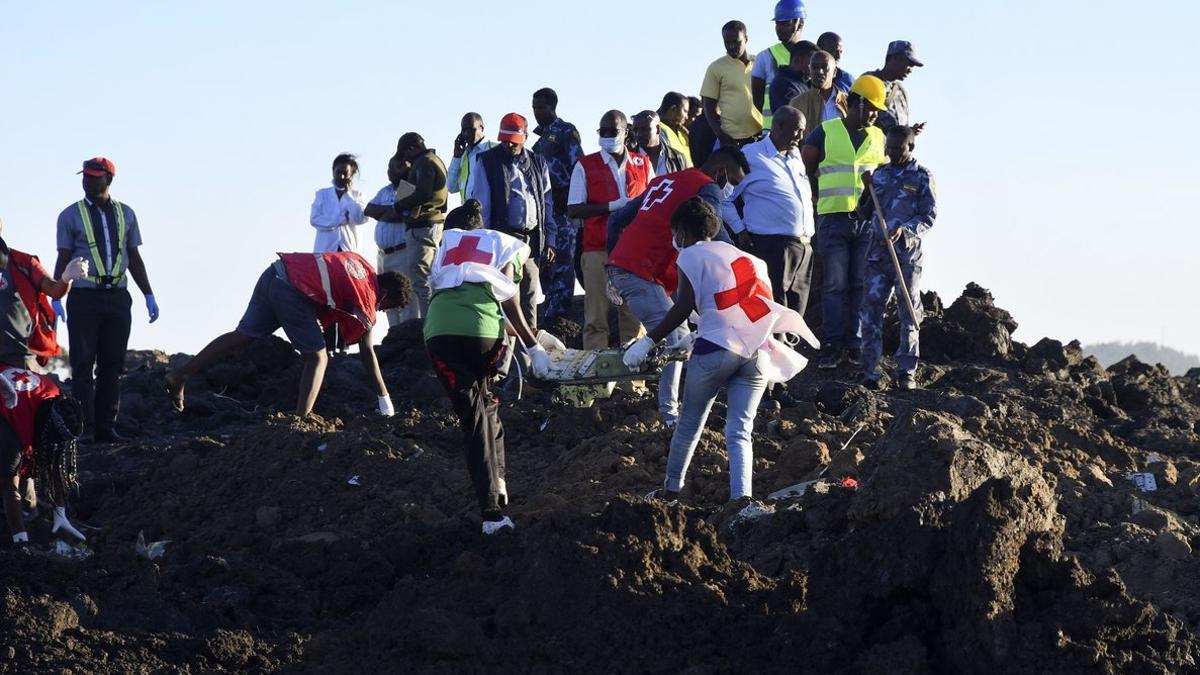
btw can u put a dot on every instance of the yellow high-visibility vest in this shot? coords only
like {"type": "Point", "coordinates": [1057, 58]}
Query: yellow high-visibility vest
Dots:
{"type": "Point", "coordinates": [839, 175]}
{"type": "Point", "coordinates": [102, 271]}
{"type": "Point", "coordinates": [783, 58]}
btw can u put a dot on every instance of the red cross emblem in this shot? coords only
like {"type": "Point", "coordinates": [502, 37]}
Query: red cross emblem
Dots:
{"type": "Point", "coordinates": [467, 251]}
{"type": "Point", "coordinates": [23, 380]}
{"type": "Point", "coordinates": [748, 291]}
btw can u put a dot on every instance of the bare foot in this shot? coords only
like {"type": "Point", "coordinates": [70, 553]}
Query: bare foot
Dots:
{"type": "Point", "coordinates": [174, 385]}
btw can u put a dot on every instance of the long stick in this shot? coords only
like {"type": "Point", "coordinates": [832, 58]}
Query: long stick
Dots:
{"type": "Point", "coordinates": [908, 301]}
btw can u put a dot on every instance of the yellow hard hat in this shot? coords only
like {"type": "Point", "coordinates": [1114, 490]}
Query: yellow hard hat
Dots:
{"type": "Point", "coordinates": [872, 89]}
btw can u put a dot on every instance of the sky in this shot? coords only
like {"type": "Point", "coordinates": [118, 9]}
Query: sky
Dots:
{"type": "Point", "coordinates": [1046, 126]}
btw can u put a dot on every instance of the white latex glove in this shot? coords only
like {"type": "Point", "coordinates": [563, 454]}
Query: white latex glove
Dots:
{"type": "Point", "coordinates": [613, 295]}
{"type": "Point", "coordinates": [686, 342]}
{"type": "Point", "coordinates": [8, 393]}
{"type": "Point", "coordinates": [61, 523]}
{"type": "Point", "coordinates": [637, 352]}
{"type": "Point", "coordinates": [539, 361]}
{"type": "Point", "coordinates": [75, 270]}
{"type": "Point", "coordinates": [549, 342]}
{"type": "Point", "coordinates": [616, 204]}
{"type": "Point", "coordinates": [385, 406]}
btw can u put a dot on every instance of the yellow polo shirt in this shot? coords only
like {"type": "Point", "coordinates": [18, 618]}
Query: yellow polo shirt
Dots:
{"type": "Point", "coordinates": [728, 81]}
{"type": "Point", "coordinates": [679, 140]}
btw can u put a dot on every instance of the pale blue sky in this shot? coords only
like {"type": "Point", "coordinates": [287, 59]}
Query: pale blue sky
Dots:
{"type": "Point", "coordinates": [223, 118]}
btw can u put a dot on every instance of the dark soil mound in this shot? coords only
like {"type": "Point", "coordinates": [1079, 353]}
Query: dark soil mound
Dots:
{"type": "Point", "coordinates": [990, 526]}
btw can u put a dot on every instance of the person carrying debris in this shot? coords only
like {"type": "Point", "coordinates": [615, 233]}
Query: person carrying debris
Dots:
{"type": "Point", "coordinates": [476, 277]}
{"type": "Point", "coordinates": [908, 199]}
{"type": "Point", "coordinates": [731, 292]}
{"type": "Point", "coordinates": [641, 264]}
{"type": "Point", "coordinates": [305, 293]}
{"type": "Point", "coordinates": [39, 427]}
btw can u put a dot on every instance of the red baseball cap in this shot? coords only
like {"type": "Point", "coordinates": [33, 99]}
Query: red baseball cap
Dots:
{"type": "Point", "coordinates": [512, 128]}
{"type": "Point", "coordinates": [98, 166]}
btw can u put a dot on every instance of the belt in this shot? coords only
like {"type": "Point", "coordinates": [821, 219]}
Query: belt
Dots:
{"type": "Point", "coordinates": [392, 249]}
{"type": "Point", "coordinates": [803, 239]}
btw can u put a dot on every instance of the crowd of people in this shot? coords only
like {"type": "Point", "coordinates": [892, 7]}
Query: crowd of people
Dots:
{"type": "Point", "coordinates": [786, 180]}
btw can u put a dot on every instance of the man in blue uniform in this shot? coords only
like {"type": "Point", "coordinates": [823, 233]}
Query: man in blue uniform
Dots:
{"type": "Point", "coordinates": [908, 196]}
{"type": "Point", "coordinates": [559, 144]}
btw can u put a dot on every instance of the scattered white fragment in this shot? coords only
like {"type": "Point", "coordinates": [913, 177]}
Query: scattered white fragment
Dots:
{"type": "Point", "coordinates": [791, 491]}
{"type": "Point", "coordinates": [151, 551]}
{"type": "Point", "coordinates": [64, 550]}
{"type": "Point", "coordinates": [354, 480]}
{"type": "Point", "coordinates": [322, 447]}
{"type": "Point", "coordinates": [1144, 482]}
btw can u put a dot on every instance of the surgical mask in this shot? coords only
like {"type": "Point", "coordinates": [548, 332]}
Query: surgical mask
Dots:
{"type": "Point", "coordinates": [727, 190]}
{"type": "Point", "coordinates": [612, 145]}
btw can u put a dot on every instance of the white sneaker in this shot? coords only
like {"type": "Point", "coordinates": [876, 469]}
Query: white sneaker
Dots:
{"type": "Point", "coordinates": [494, 526]}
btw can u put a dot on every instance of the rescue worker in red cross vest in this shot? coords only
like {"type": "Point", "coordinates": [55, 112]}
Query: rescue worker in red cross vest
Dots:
{"type": "Point", "coordinates": [305, 294]}
{"type": "Point", "coordinates": [641, 263]}
{"type": "Point", "coordinates": [734, 348]}
{"type": "Point", "coordinates": [27, 335]}
{"type": "Point", "coordinates": [106, 232]}
{"type": "Point", "coordinates": [476, 278]}
{"type": "Point", "coordinates": [39, 427]}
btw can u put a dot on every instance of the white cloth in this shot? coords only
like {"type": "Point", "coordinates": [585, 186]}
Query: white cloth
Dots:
{"type": "Point", "coordinates": [482, 256]}
{"type": "Point", "coordinates": [735, 306]}
{"type": "Point", "coordinates": [337, 220]}
{"type": "Point", "coordinates": [776, 194]}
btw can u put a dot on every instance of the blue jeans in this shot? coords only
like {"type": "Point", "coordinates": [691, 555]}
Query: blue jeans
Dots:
{"type": "Point", "coordinates": [649, 302]}
{"type": "Point", "coordinates": [706, 374]}
{"type": "Point", "coordinates": [842, 245]}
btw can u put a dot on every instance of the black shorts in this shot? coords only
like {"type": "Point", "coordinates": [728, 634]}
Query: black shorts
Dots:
{"type": "Point", "coordinates": [10, 449]}
{"type": "Point", "coordinates": [277, 304]}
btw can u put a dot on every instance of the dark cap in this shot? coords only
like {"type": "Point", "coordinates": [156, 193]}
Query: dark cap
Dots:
{"type": "Point", "coordinates": [904, 48]}
{"type": "Point", "coordinates": [98, 166]}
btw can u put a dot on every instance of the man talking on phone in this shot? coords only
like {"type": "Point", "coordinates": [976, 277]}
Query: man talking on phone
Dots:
{"type": "Point", "coordinates": [468, 144]}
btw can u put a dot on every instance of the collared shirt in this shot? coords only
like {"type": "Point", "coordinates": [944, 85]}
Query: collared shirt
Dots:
{"type": "Point", "coordinates": [765, 67]}
{"type": "Point", "coordinates": [843, 80]}
{"type": "Point", "coordinates": [459, 173]}
{"type": "Point", "coordinates": [678, 140]}
{"type": "Point", "coordinates": [578, 193]}
{"type": "Point", "coordinates": [105, 224]}
{"type": "Point", "coordinates": [559, 144]}
{"type": "Point", "coordinates": [897, 104]}
{"type": "Point", "coordinates": [776, 195]}
{"type": "Point", "coordinates": [908, 195]}
{"type": "Point", "coordinates": [336, 220]}
{"type": "Point", "coordinates": [519, 202]}
{"type": "Point", "coordinates": [387, 234]}
{"type": "Point", "coordinates": [727, 81]}
{"type": "Point", "coordinates": [788, 85]}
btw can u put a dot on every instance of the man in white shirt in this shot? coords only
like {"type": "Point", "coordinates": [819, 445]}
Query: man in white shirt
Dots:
{"type": "Point", "coordinates": [601, 183]}
{"type": "Point", "coordinates": [777, 210]}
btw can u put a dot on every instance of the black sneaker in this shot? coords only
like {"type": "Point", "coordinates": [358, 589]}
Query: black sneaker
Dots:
{"type": "Point", "coordinates": [854, 356]}
{"type": "Point", "coordinates": [830, 360]}
{"type": "Point", "coordinates": [906, 381]}
{"type": "Point", "coordinates": [872, 383]}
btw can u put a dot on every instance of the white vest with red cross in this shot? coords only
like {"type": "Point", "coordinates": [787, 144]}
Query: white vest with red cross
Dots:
{"type": "Point", "coordinates": [32, 391]}
{"type": "Point", "coordinates": [736, 308]}
{"type": "Point", "coordinates": [477, 257]}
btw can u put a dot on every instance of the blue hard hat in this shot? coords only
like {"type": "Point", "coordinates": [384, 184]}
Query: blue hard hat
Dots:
{"type": "Point", "coordinates": [790, 10]}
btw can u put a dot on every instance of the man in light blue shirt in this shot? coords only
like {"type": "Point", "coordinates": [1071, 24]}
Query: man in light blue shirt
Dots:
{"type": "Point", "coordinates": [390, 233]}
{"type": "Point", "coordinates": [775, 222]}
{"type": "Point", "coordinates": [468, 144]}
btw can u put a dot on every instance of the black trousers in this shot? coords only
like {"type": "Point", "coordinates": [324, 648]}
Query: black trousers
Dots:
{"type": "Point", "coordinates": [465, 366]}
{"type": "Point", "coordinates": [789, 264]}
{"type": "Point", "coordinates": [98, 322]}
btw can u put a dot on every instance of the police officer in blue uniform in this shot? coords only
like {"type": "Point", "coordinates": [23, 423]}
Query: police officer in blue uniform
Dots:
{"type": "Point", "coordinates": [559, 144]}
{"type": "Point", "coordinates": [908, 196]}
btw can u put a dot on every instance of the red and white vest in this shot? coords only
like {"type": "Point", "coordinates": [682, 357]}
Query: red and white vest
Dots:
{"type": "Point", "coordinates": [477, 256]}
{"type": "Point", "coordinates": [341, 284]}
{"type": "Point", "coordinates": [736, 309]}
{"type": "Point", "coordinates": [602, 188]}
{"type": "Point", "coordinates": [645, 248]}
{"type": "Point", "coordinates": [32, 390]}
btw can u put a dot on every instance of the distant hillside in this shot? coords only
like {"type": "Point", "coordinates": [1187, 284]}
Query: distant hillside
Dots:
{"type": "Point", "coordinates": [1176, 361]}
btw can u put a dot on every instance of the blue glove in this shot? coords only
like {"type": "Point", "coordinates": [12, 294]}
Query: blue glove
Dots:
{"type": "Point", "coordinates": [59, 313]}
{"type": "Point", "coordinates": [152, 307]}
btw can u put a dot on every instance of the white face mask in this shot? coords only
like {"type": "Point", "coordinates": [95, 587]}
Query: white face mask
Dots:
{"type": "Point", "coordinates": [612, 145]}
{"type": "Point", "coordinates": [727, 191]}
